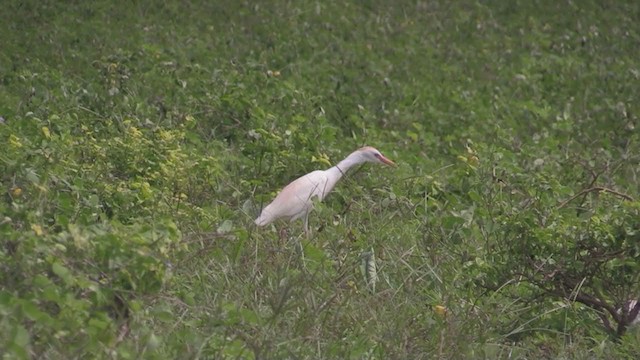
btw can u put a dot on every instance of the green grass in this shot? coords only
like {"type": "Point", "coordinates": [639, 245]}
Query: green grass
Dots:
{"type": "Point", "coordinates": [140, 140]}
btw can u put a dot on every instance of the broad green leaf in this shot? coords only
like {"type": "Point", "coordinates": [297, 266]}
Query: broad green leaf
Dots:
{"type": "Point", "coordinates": [21, 337]}
{"type": "Point", "coordinates": [62, 272]}
{"type": "Point", "coordinates": [32, 311]}
{"type": "Point", "coordinates": [225, 227]}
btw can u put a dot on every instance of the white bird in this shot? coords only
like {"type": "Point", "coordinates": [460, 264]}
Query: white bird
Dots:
{"type": "Point", "coordinates": [295, 201]}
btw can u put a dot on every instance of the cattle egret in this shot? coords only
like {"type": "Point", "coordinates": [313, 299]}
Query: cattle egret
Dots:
{"type": "Point", "coordinates": [295, 201]}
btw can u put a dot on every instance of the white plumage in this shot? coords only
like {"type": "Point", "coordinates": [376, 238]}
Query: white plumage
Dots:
{"type": "Point", "coordinates": [295, 201]}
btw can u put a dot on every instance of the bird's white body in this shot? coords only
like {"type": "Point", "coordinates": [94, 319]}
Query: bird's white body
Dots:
{"type": "Point", "coordinates": [295, 201]}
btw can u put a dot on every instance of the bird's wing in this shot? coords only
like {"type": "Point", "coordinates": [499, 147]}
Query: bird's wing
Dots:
{"type": "Point", "coordinates": [296, 199]}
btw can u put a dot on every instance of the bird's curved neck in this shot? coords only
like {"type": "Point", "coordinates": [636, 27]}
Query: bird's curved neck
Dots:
{"type": "Point", "coordinates": [346, 164]}
{"type": "Point", "coordinates": [336, 172]}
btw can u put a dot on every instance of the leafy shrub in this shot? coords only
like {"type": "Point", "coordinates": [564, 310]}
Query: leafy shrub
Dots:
{"type": "Point", "coordinates": [78, 288]}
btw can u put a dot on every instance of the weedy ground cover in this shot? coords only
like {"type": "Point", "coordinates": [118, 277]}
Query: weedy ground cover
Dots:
{"type": "Point", "coordinates": [140, 139]}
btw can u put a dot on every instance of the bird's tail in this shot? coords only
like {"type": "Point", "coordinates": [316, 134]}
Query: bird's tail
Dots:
{"type": "Point", "coordinates": [261, 221]}
{"type": "Point", "coordinates": [264, 219]}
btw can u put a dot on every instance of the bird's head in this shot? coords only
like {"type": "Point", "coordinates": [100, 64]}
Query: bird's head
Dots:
{"type": "Point", "coordinates": [371, 154]}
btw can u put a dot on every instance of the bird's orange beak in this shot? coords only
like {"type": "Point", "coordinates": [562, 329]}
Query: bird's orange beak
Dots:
{"type": "Point", "coordinates": [384, 160]}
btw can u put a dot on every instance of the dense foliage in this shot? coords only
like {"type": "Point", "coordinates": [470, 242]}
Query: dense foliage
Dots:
{"type": "Point", "coordinates": [141, 138]}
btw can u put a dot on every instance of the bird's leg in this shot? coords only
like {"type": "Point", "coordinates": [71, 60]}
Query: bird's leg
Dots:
{"type": "Point", "coordinates": [299, 246]}
{"type": "Point", "coordinates": [306, 225]}
{"type": "Point", "coordinates": [283, 234]}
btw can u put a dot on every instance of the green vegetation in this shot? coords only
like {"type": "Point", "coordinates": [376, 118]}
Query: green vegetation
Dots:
{"type": "Point", "coordinates": [139, 140]}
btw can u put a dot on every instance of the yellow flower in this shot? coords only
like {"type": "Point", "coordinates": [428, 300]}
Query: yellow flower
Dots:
{"type": "Point", "coordinates": [37, 229]}
{"type": "Point", "coordinates": [16, 191]}
{"type": "Point", "coordinates": [46, 132]}
{"type": "Point", "coordinates": [135, 132]}
{"type": "Point", "coordinates": [440, 310]}
{"type": "Point", "coordinates": [323, 159]}
{"type": "Point", "coordinates": [15, 141]}
{"type": "Point", "coordinates": [166, 135]}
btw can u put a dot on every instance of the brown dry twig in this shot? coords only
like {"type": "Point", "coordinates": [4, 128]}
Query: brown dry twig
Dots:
{"type": "Point", "coordinates": [592, 189]}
